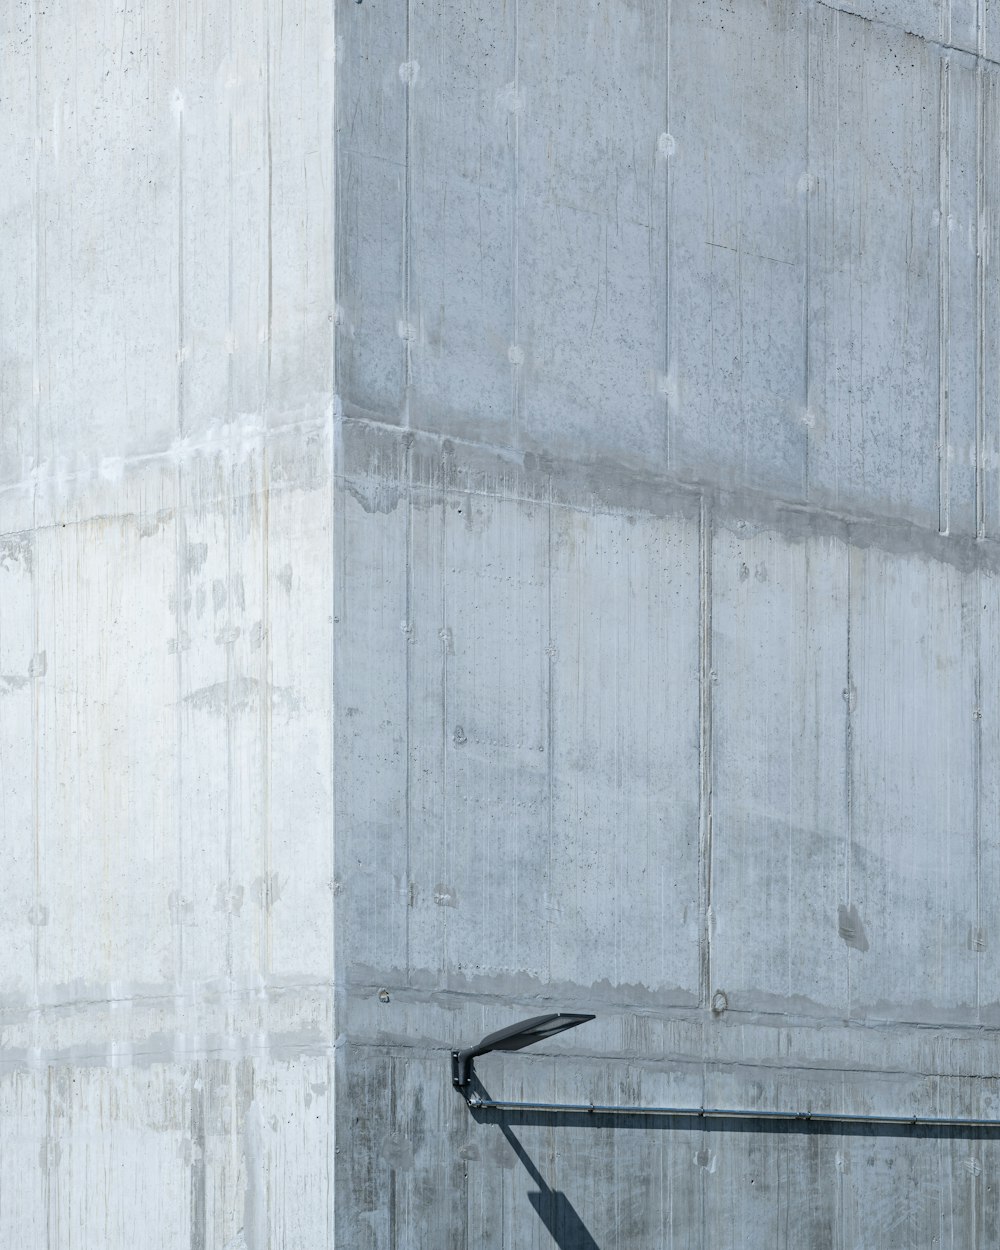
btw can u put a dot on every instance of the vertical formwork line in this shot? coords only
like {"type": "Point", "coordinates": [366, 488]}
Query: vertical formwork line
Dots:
{"type": "Point", "coordinates": [408, 227]}
{"type": "Point", "coordinates": [848, 757]}
{"type": "Point", "coordinates": [180, 551]}
{"type": "Point", "coordinates": [408, 584]}
{"type": "Point", "coordinates": [977, 790]}
{"type": "Point", "coordinates": [229, 500]}
{"type": "Point", "coordinates": [549, 719]}
{"type": "Point", "coordinates": [265, 687]}
{"type": "Point", "coordinates": [180, 544]}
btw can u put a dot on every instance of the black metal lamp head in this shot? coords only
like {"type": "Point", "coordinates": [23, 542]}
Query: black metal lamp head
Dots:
{"type": "Point", "coordinates": [514, 1037]}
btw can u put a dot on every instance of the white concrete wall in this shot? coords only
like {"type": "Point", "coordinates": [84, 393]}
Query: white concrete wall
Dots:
{"type": "Point", "coordinates": [165, 597]}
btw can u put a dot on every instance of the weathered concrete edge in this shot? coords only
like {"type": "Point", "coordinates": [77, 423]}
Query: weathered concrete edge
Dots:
{"type": "Point", "coordinates": [377, 464]}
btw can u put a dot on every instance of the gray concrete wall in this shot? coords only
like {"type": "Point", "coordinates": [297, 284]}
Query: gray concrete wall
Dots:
{"type": "Point", "coordinates": [498, 513]}
{"type": "Point", "coordinates": [667, 585]}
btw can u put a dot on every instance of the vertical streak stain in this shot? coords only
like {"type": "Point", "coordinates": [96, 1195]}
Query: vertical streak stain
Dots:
{"type": "Point", "coordinates": [981, 212]}
{"type": "Point", "coordinates": [270, 202]}
{"type": "Point", "coordinates": [706, 678]}
{"type": "Point", "coordinates": [944, 293]}
{"type": "Point", "coordinates": [515, 236]}
{"type": "Point", "coordinates": [36, 729]}
{"type": "Point", "coordinates": [180, 276]}
{"type": "Point", "coordinates": [198, 1165]}
{"type": "Point", "coordinates": [806, 268]}
{"type": "Point", "coordinates": [265, 713]}
{"type": "Point", "coordinates": [667, 192]}
{"type": "Point", "coordinates": [255, 1230]}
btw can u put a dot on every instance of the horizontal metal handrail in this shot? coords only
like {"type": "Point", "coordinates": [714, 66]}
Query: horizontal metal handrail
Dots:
{"type": "Point", "coordinates": [476, 1103]}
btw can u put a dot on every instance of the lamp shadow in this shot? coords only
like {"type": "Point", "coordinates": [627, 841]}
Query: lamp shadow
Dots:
{"type": "Point", "coordinates": [553, 1208]}
{"type": "Point", "coordinates": [562, 1221]}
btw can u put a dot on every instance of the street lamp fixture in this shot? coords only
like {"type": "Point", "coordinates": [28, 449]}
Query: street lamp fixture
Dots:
{"type": "Point", "coordinates": [514, 1037]}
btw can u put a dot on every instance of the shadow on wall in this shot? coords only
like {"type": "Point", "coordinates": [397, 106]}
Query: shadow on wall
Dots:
{"type": "Point", "coordinates": [554, 1209]}
{"type": "Point", "coordinates": [558, 1214]}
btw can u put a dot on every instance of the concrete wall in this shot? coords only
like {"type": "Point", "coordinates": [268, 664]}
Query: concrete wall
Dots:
{"type": "Point", "coordinates": [666, 648]}
{"type": "Point", "coordinates": [165, 589]}
{"type": "Point", "coordinates": [498, 512]}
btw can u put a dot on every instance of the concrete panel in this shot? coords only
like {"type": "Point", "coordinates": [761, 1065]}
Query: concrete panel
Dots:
{"type": "Point", "coordinates": [983, 902]}
{"type": "Point", "coordinates": [26, 1154]}
{"type": "Point", "coordinates": [372, 186]}
{"type": "Point", "coordinates": [297, 601]}
{"type": "Point", "coordinates": [212, 252]}
{"type": "Point", "coordinates": [106, 210]}
{"type": "Point", "coordinates": [18, 221]}
{"type": "Point", "coordinates": [738, 204]}
{"type": "Point", "coordinates": [463, 149]}
{"type": "Point", "coordinates": [988, 293]}
{"type": "Point", "coordinates": [101, 1124]}
{"type": "Point", "coordinates": [371, 582]}
{"type": "Point", "coordinates": [961, 433]}
{"type": "Point", "coordinates": [779, 797]}
{"type": "Point", "coordinates": [874, 126]}
{"type": "Point", "coordinates": [300, 56]}
{"type": "Point", "coordinates": [218, 1153]}
{"type": "Point", "coordinates": [105, 723]}
{"type": "Point", "coordinates": [19, 682]}
{"type": "Point", "coordinates": [625, 640]}
{"type": "Point", "coordinates": [289, 1150]}
{"type": "Point", "coordinates": [478, 735]}
{"type": "Point", "coordinates": [591, 228]}
{"type": "Point", "coordinates": [223, 694]}
{"type": "Point", "coordinates": [911, 883]}
{"type": "Point", "coordinates": [242, 192]}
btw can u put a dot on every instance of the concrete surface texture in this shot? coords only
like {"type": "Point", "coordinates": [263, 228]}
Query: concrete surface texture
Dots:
{"type": "Point", "coordinates": [498, 513]}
